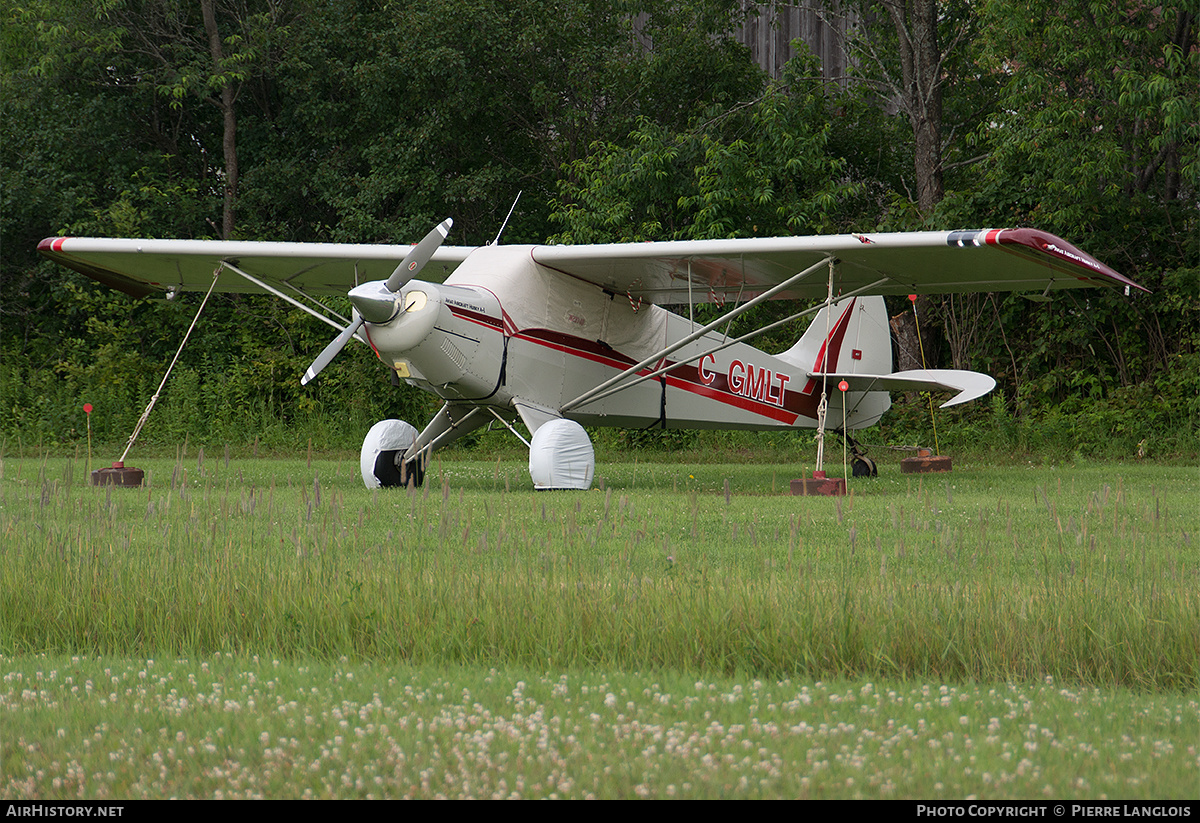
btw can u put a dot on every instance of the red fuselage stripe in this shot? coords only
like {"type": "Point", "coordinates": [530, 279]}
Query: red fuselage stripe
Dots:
{"type": "Point", "coordinates": [835, 337]}
{"type": "Point", "coordinates": [783, 415]}
{"type": "Point", "coordinates": [686, 378]}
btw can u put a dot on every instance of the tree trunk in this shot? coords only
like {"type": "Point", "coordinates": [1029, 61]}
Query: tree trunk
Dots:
{"type": "Point", "coordinates": [904, 332]}
{"type": "Point", "coordinates": [915, 22]}
{"type": "Point", "coordinates": [229, 134]}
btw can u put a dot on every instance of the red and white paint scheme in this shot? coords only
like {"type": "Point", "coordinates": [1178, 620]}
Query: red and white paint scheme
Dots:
{"type": "Point", "coordinates": [580, 334]}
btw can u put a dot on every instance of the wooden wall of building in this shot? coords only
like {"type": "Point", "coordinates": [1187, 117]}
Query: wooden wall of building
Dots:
{"type": "Point", "coordinates": [822, 26]}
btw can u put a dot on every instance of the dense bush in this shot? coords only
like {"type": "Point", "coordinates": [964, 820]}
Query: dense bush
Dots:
{"type": "Point", "coordinates": [359, 123]}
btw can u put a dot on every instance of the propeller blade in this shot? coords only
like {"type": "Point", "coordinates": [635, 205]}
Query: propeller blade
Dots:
{"type": "Point", "coordinates": [413, 262]}
{"type": "Point", "coordinates": [331, 351]}
{"type": "Point", "coordinates": [416, 259]}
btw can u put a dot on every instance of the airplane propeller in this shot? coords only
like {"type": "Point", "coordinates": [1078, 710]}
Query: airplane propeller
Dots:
{"type": "Point", "coordinates": [409, 267]}
{"type": "Point", "coordinates": [331, 351]}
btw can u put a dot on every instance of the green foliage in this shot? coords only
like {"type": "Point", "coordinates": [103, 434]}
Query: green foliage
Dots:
{"type": "Point", "coordinates": [1148, 420]}
{"type": "Point", "coordinates": [760, 168]}
{"type": "Point", "coordinates": [914, 66]}
{"type": "Point", "coordinates": [1087, 142]}
{"type": "Point", "coordinates": [232, 384]}
{"type": "Point", "coordinates": [386, 122]}
{"type": "Point", "coordinates": [1095, 128]}
{"type": "Point", "coordinates": [363, 121]}
{"type": "Point", "coordinates": [655, 439]}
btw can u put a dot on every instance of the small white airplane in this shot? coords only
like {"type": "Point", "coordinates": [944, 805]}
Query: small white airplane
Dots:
{"type": "Point", "coordinates": [560, 336]}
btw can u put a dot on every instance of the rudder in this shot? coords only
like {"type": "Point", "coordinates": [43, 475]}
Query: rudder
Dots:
{"type": "Point", "coordinates": [852, 336]}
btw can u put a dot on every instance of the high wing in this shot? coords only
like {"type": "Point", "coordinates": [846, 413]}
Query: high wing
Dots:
{"type": "Point", "coordinates": [695, 271]}
{"type": "Point", "coordinates": [142, 267]}
{"type": "Point", "coordinates": [910, 263]}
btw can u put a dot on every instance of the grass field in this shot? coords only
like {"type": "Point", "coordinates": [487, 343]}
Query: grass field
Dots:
{"type": "Point", "coordinates": [998, 632]}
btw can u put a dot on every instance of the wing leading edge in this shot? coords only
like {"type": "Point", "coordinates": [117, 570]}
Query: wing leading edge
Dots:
{"type": "Point", "coordinates": [911, 262]}
{"type": "Point", "coordinates": [697, 271]}
{"type": "Point", "coordinates": [142, 267]}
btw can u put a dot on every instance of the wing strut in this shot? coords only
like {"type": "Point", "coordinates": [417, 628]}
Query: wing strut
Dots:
{"type": "Point", "coordinates": [281, 295]}
{"type": "Point", "coordinates": [590, 394]}
{"type": "Point", "coordinates": [726, 344]}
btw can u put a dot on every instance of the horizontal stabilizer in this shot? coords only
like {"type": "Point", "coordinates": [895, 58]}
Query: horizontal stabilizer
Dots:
{"type": "Point", "coordinates": [968, 384]}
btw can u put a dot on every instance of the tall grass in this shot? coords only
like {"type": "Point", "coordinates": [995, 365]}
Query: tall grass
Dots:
{"type": "Point", "coordinates": [1087, 575]}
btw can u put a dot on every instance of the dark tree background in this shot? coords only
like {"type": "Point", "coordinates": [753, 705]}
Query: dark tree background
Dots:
{"type": "Point", "coordinates": [362, 121]}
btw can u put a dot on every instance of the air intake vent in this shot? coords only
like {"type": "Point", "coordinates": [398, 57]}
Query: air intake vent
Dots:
{"type": "Point", "coordinates": [451, 351]}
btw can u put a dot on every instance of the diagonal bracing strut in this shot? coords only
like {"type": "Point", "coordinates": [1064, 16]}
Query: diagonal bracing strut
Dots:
{"type": "Point", "coordinates": [748, 336]}
{"type": "Point", "coordinates": [287, 298]}
{"type": "Point", "coordinates": [591, 394]}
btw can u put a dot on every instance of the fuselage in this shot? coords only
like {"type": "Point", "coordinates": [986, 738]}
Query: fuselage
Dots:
{"type": "Point", "coordinates": [503, 329]}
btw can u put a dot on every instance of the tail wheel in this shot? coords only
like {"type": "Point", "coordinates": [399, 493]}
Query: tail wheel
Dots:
{"type": "Point", "coordinates": [863, 466]}
{"type": "Point", "coordinates": [860, 464]}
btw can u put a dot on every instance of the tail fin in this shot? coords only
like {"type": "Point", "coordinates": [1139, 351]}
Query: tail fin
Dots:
{"type": "Point", "coordinates": [851, 341]}
{"type": "Point", "coordinates": [850, 337]}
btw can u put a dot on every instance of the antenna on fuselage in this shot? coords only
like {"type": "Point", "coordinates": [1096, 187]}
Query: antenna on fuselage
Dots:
{"type": "Point", "coordinates": [511, 208]}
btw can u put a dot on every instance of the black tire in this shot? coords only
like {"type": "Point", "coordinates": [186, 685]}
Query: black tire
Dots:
{"type": "Point", "coordinates": [862, 466]}
{"type": "Point", "coordinates": [385, 470]}
{"type": "Point", "coordinates": [392, 472]}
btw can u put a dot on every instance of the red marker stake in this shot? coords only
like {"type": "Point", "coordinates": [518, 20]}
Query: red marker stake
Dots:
{"type": "Point", "coordinates": [87, 409]}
